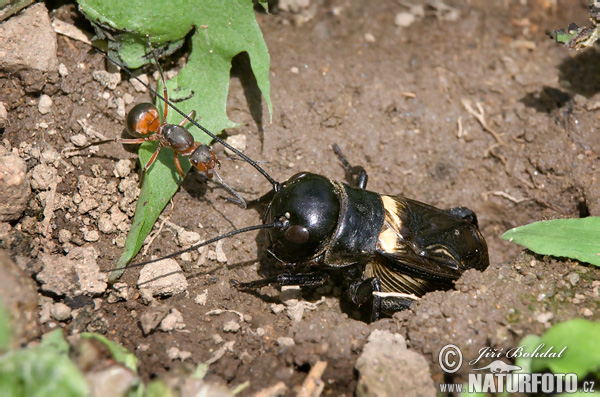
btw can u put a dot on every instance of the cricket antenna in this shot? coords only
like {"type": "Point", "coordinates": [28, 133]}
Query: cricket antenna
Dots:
{"type": "Point", "coordinates": [202, 244]}
{"type": "Point", "coordinates": [276, 185]}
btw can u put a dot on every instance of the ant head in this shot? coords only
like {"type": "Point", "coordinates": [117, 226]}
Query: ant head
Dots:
{"type": "Point", "coordinates": [307, 210]}
{"type": "Point", "coordinates": [202, 156]}
{"type": "Point", "coordinates": [143, 120]}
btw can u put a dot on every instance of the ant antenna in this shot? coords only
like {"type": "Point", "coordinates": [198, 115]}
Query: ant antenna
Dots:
{"type": "Point", "coordinates": [238, 199]}
{"type": "Point", "coordinates": [276, 185]}
{"type": "Point", "coordinates": [207, 242]}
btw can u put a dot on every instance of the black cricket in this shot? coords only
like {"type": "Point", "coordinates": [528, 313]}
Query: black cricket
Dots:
{"type": "Point", "coordinates": [391, 249]}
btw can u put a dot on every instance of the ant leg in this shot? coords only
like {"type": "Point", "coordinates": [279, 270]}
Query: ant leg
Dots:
{"type": "Point", "coordinates": [178, 165]}
{"type": "Point", "coordinates": [152, 159]}
{"type": "Point", "coordinates": [357, 173]}
{"type": "Point", "coordinates": [302, 279]}
{"type": "Point", "coordinates": [191, 116]}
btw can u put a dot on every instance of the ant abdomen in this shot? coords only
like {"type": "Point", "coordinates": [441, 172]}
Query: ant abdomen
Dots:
{"type": "Point", "coordinates": [143, 120]}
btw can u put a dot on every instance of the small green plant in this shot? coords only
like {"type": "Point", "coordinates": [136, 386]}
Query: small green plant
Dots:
{"type": "Point", "coordinates": [576, 37]}
{"type": "Point", "coordinates": [572, 238]}
{"type": "Point", "coordinates": [219, 30]}
{"type": "Point", "coordinates": [581, 354]}
{"type": "Point", "coordinates": [43, 370]}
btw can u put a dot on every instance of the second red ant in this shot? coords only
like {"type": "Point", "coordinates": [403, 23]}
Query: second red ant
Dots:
{"type": "Point", "coordinates": [145, 125]}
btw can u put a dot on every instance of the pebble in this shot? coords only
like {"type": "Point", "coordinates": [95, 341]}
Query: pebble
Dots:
{"type": "Point", "coordinates": [139, 87]}
{"type": "Point", "coordinates": [105, 224]}
{"type": "Point", "coordinates": [3, 115]}
{"type": "Point", "coordinates": [285, 341]}
{"type": "Point", "coordinates": [162, 278]}
{"type": "Point", "coordinates": [79, 140]}
{"type": "Point", "coordinates": [176, 354]}
{"type": "Point", "coordinates": [573, 278]}
{"type": "Point", "coordinates": [404, 19]}
{"type": "Point", "coordinates": [108, 80]}
{"type": "Point", "coordinates": [44, 177]}
{"type": "Point", "coordinates": [231, 326]}
{"type": "Point", "coordinates": [544, 317]}
{"type": "Point", "coordinates": [238, 142]}
{"type": "Point", "coordinates": [123, 168]}
{"type": "Point", "coordinates": [173, 320]}
{"type": "Point", "coordinates": [202, 298]}
{"type": "Point", "coordinates": [369, 38]}
{"type": "Point", "coordinates": [45, 104]}
{"type": "Point", "coordinates": [387, 368]}
{"type": "Point", "coordinates": [76, 274]}
{"type": "Point", "coordinates": [62, 70]}
{"type": "Point", "coordinates": [91, 236]}
{"type": "Point", "coordinates": [14, 186]}
{"type": "Point", "coordinates": [60, 311]}
{"type": "Point", "coordinates": [64, 236]}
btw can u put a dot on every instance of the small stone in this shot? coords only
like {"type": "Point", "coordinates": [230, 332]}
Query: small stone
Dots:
{"type": "Point", "coordinates": [294, 70]}
{"type": "Point", "coordinates": [28, 40]}
{"type": "Point", "coordinates": [3, 115]}
{"type": "Point", "coordinates": [79, 140]}
{"type": "Point", "coordinates": [64, 236]}
{"type": "Point", "coordinates": [120, 102]}
{"type": "Point", "coordinates": [91, 236]}
{"type": "Point", "coordinates": [231, 326]}
{"type": "Point", "coordinates": [544, 317]}
{"type": "Point", "coordinates": [162, 278]}
{"type": "Point", "coordinates": [260, 331]}
{"type": "Point", "coordinates": [50, 156]}
{"type": "Point", "coordinates": [587, 312]}
{"type": "Point", "coordinates": [176, 354]}
{"type": "Point", "coordinates": [152, 317]}
{"type": "Point", "coordinates": [60, 312]}
{"type": "Point", "coordinates": [76, 274]}
{"type": "Point", "coordinates": [105, 225]}
{"type": "Point", "coordinates": [285, 341]}
{"type": "Point", "coordinates": [238, 142]}
{"type": "Point", "coordinates": [277, 308]}
{"type": "Point", "coordinates": [44, 177]}
{"type": "Point", "coordinates": [139, 87]}
{"type": "Point", "coordinates": [404, 19]}
{"type": "Point", "coordinates": [14, 187]}
{"type": "Point", "coordinates": [369, 38]}
{"type": "Point", "coordinates": [187, 238]}
{"type": "Point", "coordinates": [108, 80]}
{"type": "Point", "coordinates": [573, 278]}
{"type": "Point", "coordinates": [387, 368]}
{"type": "Point", "coordinates": [221, 257]}
{"type": "Point", "coordinates": [201, 298]}
{"type": "Point", "coordinates": [123, 168]}
{"type": "Point", "coordinates": [128, 98]}
{"type": "Point", "coordinates": [45, 104]}
{"type": "Point", "coordinates": [173, 320]}
{"type": "Point", "coordinates": [62, 70]}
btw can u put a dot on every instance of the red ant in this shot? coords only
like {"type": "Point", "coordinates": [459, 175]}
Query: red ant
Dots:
{"type": "Point", "coordinates": [143, 122]}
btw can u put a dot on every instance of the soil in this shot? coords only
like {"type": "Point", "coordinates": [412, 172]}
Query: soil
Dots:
{"type": "Point", "coordinates": [393, 99]}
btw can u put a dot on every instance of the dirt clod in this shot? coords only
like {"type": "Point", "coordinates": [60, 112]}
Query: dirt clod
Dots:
{"type": "Point", "coordinates": [387, 368]}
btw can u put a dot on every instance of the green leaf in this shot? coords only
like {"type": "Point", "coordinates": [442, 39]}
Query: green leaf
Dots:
{"type": "Point", "coordinates": [573, 238]}
{"type": "Point", "coordinates": [118, 352]}
{"type": "Point", "coordinates": [223, 29]}
{"type": "Point", "coordinates": [158, 388]}
{"type": "Point", "coordinates": [44, 370]}
{"type": "Point", "coordinates": [55, 340]}
{"type": "Point", "coordinates": [581, 355]}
